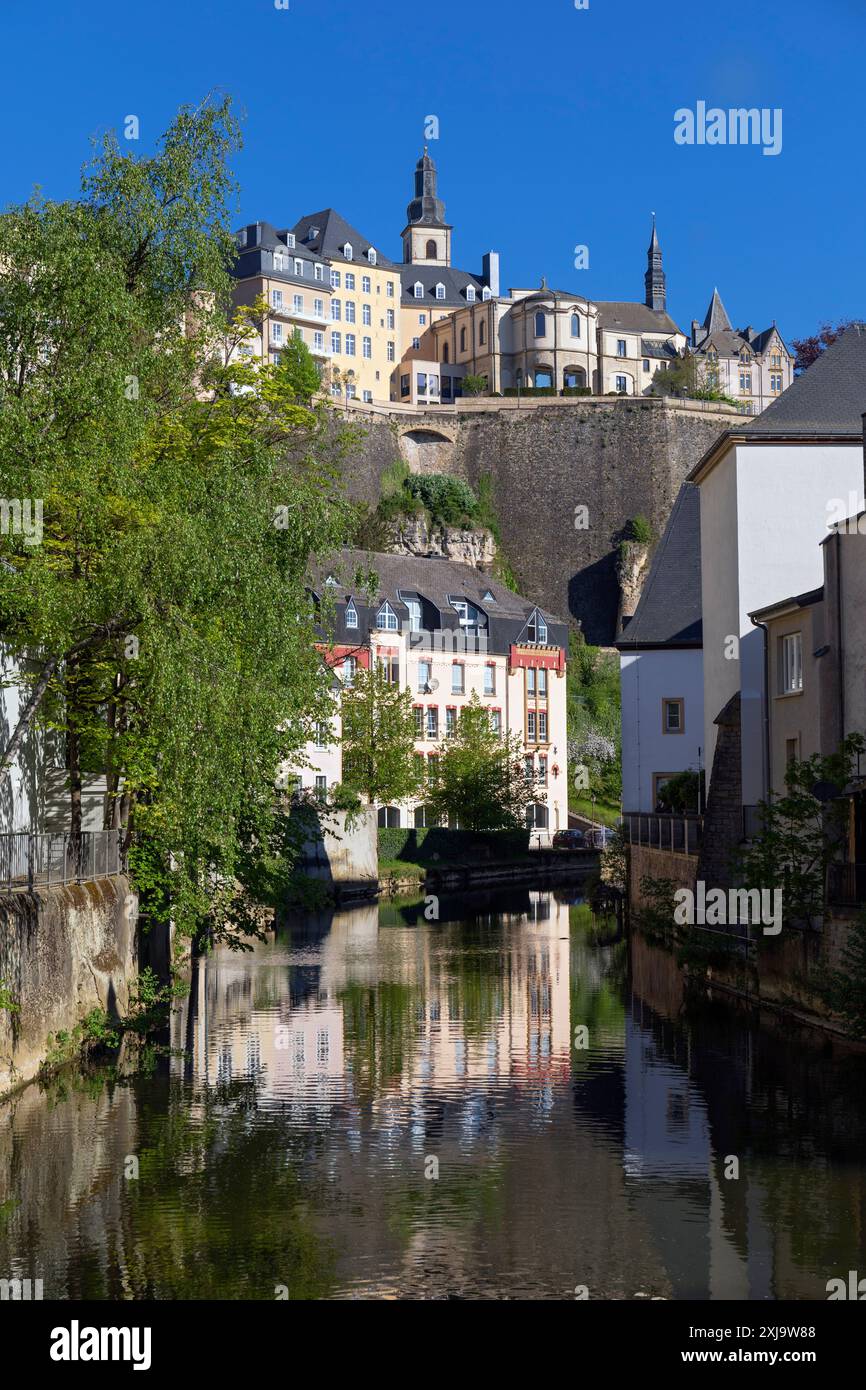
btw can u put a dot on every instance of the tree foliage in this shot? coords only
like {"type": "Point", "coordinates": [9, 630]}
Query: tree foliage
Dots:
{"type": "Point", "coordinates": [378, 738]}
{"type": "Point", "coordinates": [480, 776]}
{"type": "Point", "coordinates": [808, 350]}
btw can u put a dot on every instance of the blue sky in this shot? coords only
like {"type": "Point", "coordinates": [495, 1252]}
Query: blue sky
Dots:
{"type": "Point", "coordinates": [556, 129]}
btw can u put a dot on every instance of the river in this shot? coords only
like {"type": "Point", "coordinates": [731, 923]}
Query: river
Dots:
{"type": "Point", "coordinates": [509, 1102]}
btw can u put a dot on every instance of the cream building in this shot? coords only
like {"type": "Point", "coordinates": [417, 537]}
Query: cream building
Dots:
{"type": "Point", "coordinates": [296, 284]}
{"type": "Point", "coordinates": [446, 631]}
{"type": "Point", "coordinates": [752, 367]}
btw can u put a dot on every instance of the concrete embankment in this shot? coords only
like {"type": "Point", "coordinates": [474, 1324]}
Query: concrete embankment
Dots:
{"type": "Point", "coordinates": [64, 951]}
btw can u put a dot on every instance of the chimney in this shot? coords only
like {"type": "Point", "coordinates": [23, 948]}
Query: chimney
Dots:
{"type": "Point", "coordinates": [696, 328]}
{"type": "Point", "coordinates": [490, 272]}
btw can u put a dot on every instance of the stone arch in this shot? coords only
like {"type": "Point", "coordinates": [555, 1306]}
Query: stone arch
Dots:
{"type": "Point", "coordinates": [427, 449]}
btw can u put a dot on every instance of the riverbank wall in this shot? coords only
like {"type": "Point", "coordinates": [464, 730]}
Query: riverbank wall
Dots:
{"type": "Point", "coordinates": [64, 951]}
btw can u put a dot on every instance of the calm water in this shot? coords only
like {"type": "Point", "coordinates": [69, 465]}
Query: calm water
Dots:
{"type": "Point", "coordinates": [373, 1105]}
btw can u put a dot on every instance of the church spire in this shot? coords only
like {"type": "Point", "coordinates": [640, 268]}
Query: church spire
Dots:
{"type": "Point", "coordinates": [426, 236]}
{"type": "Point", "coordinates": [426, 207]}
{"type": "Point", "coordinates": [654, 280]}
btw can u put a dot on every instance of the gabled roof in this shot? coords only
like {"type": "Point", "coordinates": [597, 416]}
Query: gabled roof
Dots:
{"type": "Point", "coordinates": [633, 317]}
{"type": "Point", "coordinates": [716, 317]}
{"type": "Point", "coordinates": [828, 398]}
{"type": "Point", "coordinates": [669, 611]}
{"type": "Point", "coordinates": [333, 231]}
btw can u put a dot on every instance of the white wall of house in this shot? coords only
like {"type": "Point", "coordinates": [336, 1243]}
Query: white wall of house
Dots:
{"type": "Point", "coordinates": [764, 510]}
{"type": "Point", "coordinates": [647, 679]}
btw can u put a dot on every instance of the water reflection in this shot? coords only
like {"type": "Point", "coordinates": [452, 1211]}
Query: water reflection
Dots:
{"type": "Point", "coordinates": [376, 1105]}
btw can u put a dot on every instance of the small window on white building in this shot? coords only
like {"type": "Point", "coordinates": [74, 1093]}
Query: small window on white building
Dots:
{"type": "Point", "coordinates": [792, 662]}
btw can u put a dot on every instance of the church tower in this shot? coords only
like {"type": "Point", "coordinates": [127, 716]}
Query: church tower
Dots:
{"type": "Point", "coordinates": [427, 236]}
{"type": "Point", "coordinates": [654, 279]}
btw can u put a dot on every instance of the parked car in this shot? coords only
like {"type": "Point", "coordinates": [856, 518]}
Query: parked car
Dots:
{"type": "Point", "coordinates": [597, 837]}
{"type": "Point", "coordinates": [568, 839]}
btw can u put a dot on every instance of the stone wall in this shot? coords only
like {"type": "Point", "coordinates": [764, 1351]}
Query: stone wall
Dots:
{"type": "Point", "coordinates": [644, 861]}
{"type": "Point", "coordinates": [63, 952]}
{"type": "Point", "coordinates": [618, 457]}
{"type": "Point", "coordinates": [344, 856]}
{"type": "Point", "coordinates": [723, 819]}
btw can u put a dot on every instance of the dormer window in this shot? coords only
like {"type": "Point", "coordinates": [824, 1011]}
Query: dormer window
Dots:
{"type": "Point", "coordinates": [312, 233]}
{"type": "Point", "coordinates": [440, 291]}
{"type": "Point", "coordinates": [485, 293]}
{"type": "Point", "coordinates": [279, 261]}
{"type": "Point", "coordinates": [470, 294]}
{"type": "Point", "coordinates": [347, 251]}
{"type": "Point", "coordinates": [351, 614]}
{"type": "Point", "coordinates": [386, 618]}
{"type": "Point", "coordinates": [536, 628]}
{"type": "Point", "coordinates": [418, 290]}
{"type": "Point", "coordinates": [488, 597]}
{"type": "Point", "coordinates": [330, 579]}
{"type": "Point", "coordinates": [371, 256]}
{"type": "Point", "coordinates": [467, 613]}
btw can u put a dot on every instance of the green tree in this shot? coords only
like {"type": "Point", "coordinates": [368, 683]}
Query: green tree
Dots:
{"type": "Point", "coordinates": [167, 605]}
{"type": "Point", "coordinates": [474, 385]}
{"type": "Point", "coordinates": [298, 368]}
{"type": "Point", "coordinates": [378, 738]}
{"type": "Point", "coordinates": [481, 776]}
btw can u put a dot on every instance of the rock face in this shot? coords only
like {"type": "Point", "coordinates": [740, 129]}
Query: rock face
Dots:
{"type": "Point", "coordinates": [632, 565]}
{"type": "Point", "coordinates": [415, 536]}
{"type": "Point", "coordinates": [616, 457]}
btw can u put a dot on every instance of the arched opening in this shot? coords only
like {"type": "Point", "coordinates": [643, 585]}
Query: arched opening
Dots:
{"type": "Point", "coordinates": [463, 340]}
{"type": "Point", "coordinates": [543, 376]}
{"type": "Point", "coordinates": [537, 816]}
{"type": "Point", "coordinates": [389, 817]}
{"type": "Point", "coordinates": [444, 352]}
{"type": "Point", "coordinates": [481, 333]}
{"type": "Point", "coordinates": [424, 816]}
{"type": "Point", "coordinates": [574, 376]}
{"type": "Point", "coordinates": [431, 252]}
{"type": "Point", "coordinates": [540, 324]}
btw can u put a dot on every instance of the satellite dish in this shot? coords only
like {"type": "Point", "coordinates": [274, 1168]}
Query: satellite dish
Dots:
{"type": "Point", "coordinates": [433, 685]}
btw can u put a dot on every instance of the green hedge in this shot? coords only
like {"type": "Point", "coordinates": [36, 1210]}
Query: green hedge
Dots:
{"type": "Point", "coordinates": [531, 391]}
{"type": "Point", "coordinates": [432, 844]}
{"type": "Point", "coordinates": [577, 390]}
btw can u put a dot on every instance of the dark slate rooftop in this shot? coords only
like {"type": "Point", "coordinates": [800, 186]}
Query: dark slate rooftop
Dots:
{"type": "Point", "coordinates": [669, 611]}
{"type": "Point", "coordinates": [634, 317]}
{"type": "Point", "coordinates": [435, 581]}
{"type": "Point", "coordinates": [333, 233]}
{"type": "Point", "coordinates": [828, 398]}
{"type": "Point", "coordinates": [455, 282]}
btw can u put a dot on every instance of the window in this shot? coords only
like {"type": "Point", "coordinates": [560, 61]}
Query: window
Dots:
{"type": "Point", "coordinates": [432, 726]}
{"type": "Point", "coordinates": [335, 342]}
{"type": "Point", "coordinates": [336, 310]}
{"type": "Point", "coordinates": [530, 726]}
{"type": "Point", "coordinates": [350, 311]}
{"type": "Point", "coordinates": [390, 289]}
{"type": "Point", "coordinates": [481, 327]}
{"type": "Point", "coordinates": [463, 340]}
{"type": "Point", "coordinates": [277, 299]}
{"type": "Point", "coordinates": [424, 817]}
{"type": "Point", "coordinates": [418, 711]}
{"type": "Point", "coordinates": [537, 816]}
{"type": "Point", "coordinates": [496, 721]}
{"type": "Point", "coordinates": [470, 294]}
{"type": "Point", "coordinates": [367, 397]}
{"type": "Point", "coordinates": [277, 332]}
{"type": "Point", "coordinates": [775, 359]}
{"type": "Point", "coordinates": [351, 614]}
{"type": "Point", "coordinates": [388, 665]}
{"type": "Point", "coordinates": [621, 347]}
{"type": "Point", "coordinates": [389, 818]}
{"type": "Point", "coordinates": [335, 279]}
{"type": "Point", "coordinates": [776, 383]}
{"type": "Point", "coordinates": [414, 606]}
{"type": "Point", "coordinates": [418, 290]}
{"type": "Point", "coordinates": [366, 315]}
{"type": "Point", "coordinates": [457, 678]}
{"type": "Point", "coordinates": [792, 663]}
{"type": "Point", "coordinates": [347, 251]}
{"type": "Point", "coordinates": [319, 308]}
{"type": "Point", "coordinates": [542, 726]}
{"type": "Point", "coordinates": [279, 261]}
{"type": "Point", "coordinates": [365, 284]}
{"type": "Point", "coordinates": [622, 385]}
{"type": "Point", "coordinates": [371, 256]}
{"type": "Point", "coordinates": [416, 342]}
{"type": "Point", "coordinates": [673, 721]}
{"type": "Point", "coordinates": [444, 352]}
{"type": "Point", "coordinates": [321, 735]}
{"type": "Point", "coordinates": [350, 345]}
{"type": "Point", "coordinates": [297, 303]}
{"type": "Point", "coordinates": [290, 240]}
{"type": "Point", "coordinates": [575, 325]}
{"type": "Point", "coordinates": [536, 628]}
{"type": "Point", "coordinates": [425, 671]}
{"type": "Point", "coordinates": [390, 352]}
{"type": "Point", "coordinates": [350, 666]}
{"type": "Point", "coordinates": [489, 680]}
{"type": "Point", "coordinates": [366, 347]}
{"type": "Point", "coordinates": [485, 293]}
{"type": "Point", "coordinates": [422, 319]}
{"type": "Point", "coordinates": [350, 280]}
{"type": "Point", "coordinates": [542, 770]}
{"type": "Point", "coordinates": [299, 266]}
{"type": "Point", "coordinates": [540, 324]}
{"type": "Point", "coordinates": [646, 365]}
{"type": "Point", "coordinates": [530, 680]}
{"type": "Point", "coordinates": [440, 291]}
{"type": "Point", "coordinates": [431, 252]}
{"type": "Point", "coordinates": [389, 318]}
{"type": "Point", "coordinates": [746, 382]}
{"type": "Point", "coordinates": [350, 391]}
{"type": "Point", "coordinates": [321, 787]}
{"type": "Point", "coordinates": [318, 272]}
{"type": "Point", "coordinates": [450, 721]}
{"type": "Point", "coordinates": [387, 618]}
{"type": "Point", "coordinates": [529, 767]}
{"type": "Point", "coordinates": [405, 385]}
{"type": "Point", "coordinates": [542, 683]}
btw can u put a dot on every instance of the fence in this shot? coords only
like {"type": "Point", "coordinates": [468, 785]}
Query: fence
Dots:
{"type": "Point", "coordinates": [28, 860]}
{"type": "Point", "coordinates": [676, 834]}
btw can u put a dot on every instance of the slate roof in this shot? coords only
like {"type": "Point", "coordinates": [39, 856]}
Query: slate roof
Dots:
{"type": "Point", "coordinates": [669, 611]}
{"type": "Point", "coordinates": [801, 600]}
{"type": "Point", "coordinates": [455, 282]}
{"type": "Point", "coordinates": [633, 317]}
{"type": "Point", "coordinates": [435, 581]}
{"type": "Point", "coordinates": [256, 257]}
{"type": "Point", "coordinates": [716, 316]}
{"type": "Point", "coordinates": [333, 233]}
{"type": "Point", "coordinates": [828, 398]}
{"type": "Point", "coordinates": [650, 349]}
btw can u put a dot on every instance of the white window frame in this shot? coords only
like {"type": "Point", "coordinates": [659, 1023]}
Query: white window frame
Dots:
{"type": "Point", "coordinates": [792, 663]}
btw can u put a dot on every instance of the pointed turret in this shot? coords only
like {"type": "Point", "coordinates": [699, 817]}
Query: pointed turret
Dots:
{"type": "Point", "coordinates": [654, 280]}
{"type": "Point", "coordinates": [716, 320]}
{"type": "Point", "coordinates": [426, 236]}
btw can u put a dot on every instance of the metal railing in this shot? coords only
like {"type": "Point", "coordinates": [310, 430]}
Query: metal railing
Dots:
{"type": "Point", "coordinates": [29, 860]}
{"type": "Point", "coordinates": [678, 834]}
